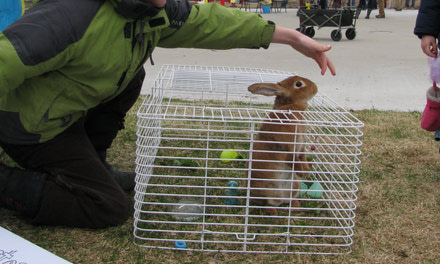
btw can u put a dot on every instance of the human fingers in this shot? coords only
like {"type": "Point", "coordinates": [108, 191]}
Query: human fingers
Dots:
{"type": "Point", "coordinates": [429, 51]}
{"type": "Point", "coordinates": [325, 62]}
{"type": "Point", "coordinates": [429, 46]}
{"type": "Point", "coordinates": [331, 67]}
{"type": "Point", "coordinates": [434, 49]}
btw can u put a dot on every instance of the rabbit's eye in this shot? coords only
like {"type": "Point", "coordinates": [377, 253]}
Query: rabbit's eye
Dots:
{"type": "Point", "coordinates": [299, 84]}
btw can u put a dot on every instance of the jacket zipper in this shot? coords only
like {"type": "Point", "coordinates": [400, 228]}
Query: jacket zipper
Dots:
{"type": "Point", "coordinates": [148, 51]}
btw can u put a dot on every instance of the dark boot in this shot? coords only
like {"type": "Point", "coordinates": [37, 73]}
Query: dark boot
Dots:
{"type": "Point", "coordinates": [21, 190]}
{"type": "Point", "coordinates": [368, 14]}
{"type": "Point", "coordinates": [125, 179]}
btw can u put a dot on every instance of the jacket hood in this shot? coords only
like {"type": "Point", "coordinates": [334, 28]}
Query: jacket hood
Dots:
{"type": "Point", "coordinates": [135, 9]}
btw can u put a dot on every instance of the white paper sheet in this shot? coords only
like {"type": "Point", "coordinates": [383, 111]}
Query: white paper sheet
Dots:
{"type": "Point", "coordinates": [17, 250]}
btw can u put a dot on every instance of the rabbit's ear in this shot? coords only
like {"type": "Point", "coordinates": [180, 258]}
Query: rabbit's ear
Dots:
{"type": "Point", "coordinates": [268, 89]}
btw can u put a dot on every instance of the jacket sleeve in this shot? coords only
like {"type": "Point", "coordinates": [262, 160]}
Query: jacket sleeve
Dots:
{"type": "Point", "coordinates": [428, 19]}
{"type": "Point", "coordinates": [212, 26]}
{"type": "Point", "coordinates": [14, 70]}
{"type": "Point", "coordinates": [41, 41]}
{"type": "Point", "coordinates": [11, 68]}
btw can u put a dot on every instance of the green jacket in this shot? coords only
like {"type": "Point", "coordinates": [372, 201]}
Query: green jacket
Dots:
{"type": "Point", "coordinates": [67, 56]}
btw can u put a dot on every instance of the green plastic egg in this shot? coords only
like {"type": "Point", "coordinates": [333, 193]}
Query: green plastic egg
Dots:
{"type": "Point", "coordinates": [228, 155]}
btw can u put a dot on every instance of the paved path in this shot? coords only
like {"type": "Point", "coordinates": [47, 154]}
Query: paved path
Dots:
{"type": "Point", "coordinates": [382, 68]}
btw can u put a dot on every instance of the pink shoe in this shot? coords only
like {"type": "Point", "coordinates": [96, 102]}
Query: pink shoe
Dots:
{"type": "Point", "coordinates": [431, 113]}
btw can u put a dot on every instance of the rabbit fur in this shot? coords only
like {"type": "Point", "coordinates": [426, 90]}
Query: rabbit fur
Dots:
{"type": "Point", "coordinates": [272, 158]}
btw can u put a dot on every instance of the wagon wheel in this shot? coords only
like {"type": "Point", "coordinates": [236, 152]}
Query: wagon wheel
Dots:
{"type": "Point", "coordinates": [336, 35]}
{"type": "Point", "coordinates": [350, 33]}
{"type": "Point", "coordinates": [310, 31]}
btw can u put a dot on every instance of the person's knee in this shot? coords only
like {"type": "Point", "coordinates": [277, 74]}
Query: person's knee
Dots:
{"type": "Point", "coordinates": [123, 211]}
{"type": "Point", "coordinates": [111, 211]}
{"type": "Point", "coordinates": [117, 211]}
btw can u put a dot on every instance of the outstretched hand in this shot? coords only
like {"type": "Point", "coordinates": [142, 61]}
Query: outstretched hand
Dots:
{"type": "Point", "coordinates": [317, 52]}
{"type": "Point", "coordinates": [305, 45]}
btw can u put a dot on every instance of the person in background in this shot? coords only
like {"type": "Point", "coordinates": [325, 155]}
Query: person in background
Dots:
{"type": "Point", "coordinates": [398, 5]}
{"type": "Point", "coordinates": [389, 4]}
{"type": "Point", "coordinates": [68, 80]}
{"type": "Point", "coordinates": [427, 28]}
{"type": "Point", "coordinates": [361, 6]}
{"type": "Point", "coordinates": [371, 4]}
{"type": "Point", "coordinates": [413, 4]}
{"type": "Point", "coordinates": [381, 5]}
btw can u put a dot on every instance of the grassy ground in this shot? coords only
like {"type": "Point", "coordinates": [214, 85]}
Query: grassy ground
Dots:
{"type": "Point", "coordinates": [397, 217]}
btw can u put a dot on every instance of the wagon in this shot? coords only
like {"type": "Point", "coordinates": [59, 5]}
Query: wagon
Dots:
{"type": "Point", "coordinates": [340, 18]}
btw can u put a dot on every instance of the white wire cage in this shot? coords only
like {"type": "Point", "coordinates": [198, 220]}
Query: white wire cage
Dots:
{"type": "Point", "coordinates": [196, 133]}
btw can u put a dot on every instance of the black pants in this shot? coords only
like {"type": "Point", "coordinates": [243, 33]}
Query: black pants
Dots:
{"type": "Point", "coordinates": [79, 191]}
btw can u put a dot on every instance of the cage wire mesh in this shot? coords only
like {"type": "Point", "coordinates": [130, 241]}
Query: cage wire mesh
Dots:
{"type": "Point", "coordinates": [196, 132]}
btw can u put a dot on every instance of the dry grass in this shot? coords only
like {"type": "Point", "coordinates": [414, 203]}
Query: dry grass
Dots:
{"type": "Point", "coordinates": [397, 217]}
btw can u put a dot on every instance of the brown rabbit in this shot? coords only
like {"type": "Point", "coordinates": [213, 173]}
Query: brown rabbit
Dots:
{"type": "Point", "coordinates": [272, 153]}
